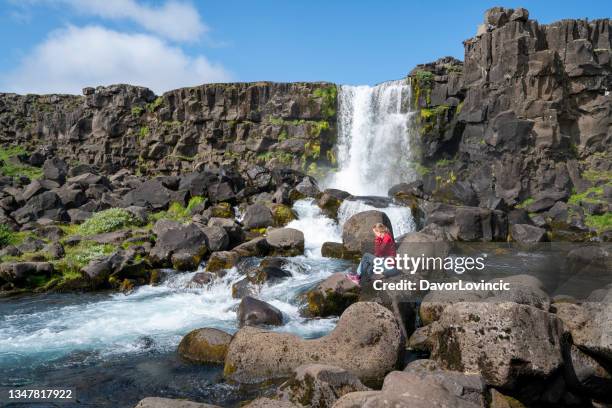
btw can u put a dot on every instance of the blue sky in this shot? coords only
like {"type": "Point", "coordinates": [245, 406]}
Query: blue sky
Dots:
{"type": "Point", "coordinates": [64, 45]}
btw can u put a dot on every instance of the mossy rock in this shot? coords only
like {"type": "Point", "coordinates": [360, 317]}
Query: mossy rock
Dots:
{"type": "Point", "coordinates": [283, 215]}
{"type": "Point", "coordinates": [331, 297]}
{"type": "Point", "coordinates": [221, 260]}
{"type": "Point", "coordinates": [206, 345]}
{"type": "Point", "coordinates": [222, 210]}
{"type": "Point", "coordinates": [339, 251]}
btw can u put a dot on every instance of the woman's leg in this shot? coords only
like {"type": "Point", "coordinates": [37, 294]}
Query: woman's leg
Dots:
{"type": "Point", "coordinates": [366, 266]}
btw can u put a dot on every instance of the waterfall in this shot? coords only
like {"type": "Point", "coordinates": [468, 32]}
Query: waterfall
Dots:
{"type": "Point", "coordinates": [373, 138]}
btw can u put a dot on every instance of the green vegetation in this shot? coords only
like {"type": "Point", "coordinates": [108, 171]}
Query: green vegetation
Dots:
{"type": "Point", "coordinates": [152, 107]}
{"type": "Point", "coordinates": [79, 256]}
{"type": "Point", "coordinates": [592, 195]}
{"type": "Point", "coordinates": [283, 136]}
{"type": "Point", "coordinates": [177, 211]}
{"type": "Point", "coordinates": [444, 162]}
{"type": "Point", "coordinates": [144, 131]}
{"type": "Point", "coordinates": [599, 222]}
{"type": "Point", "coordinates": [421, 170]}
{"type": "Point", "coordinates": [11, 166]}
{"type": "Point", "coordinates": [137, 110]}
{"type": "Point", "coordinates": [107, 221]}
{"type": "Point", "coordinates": [526, 203]}
{"type": "Point", "coordinates": [328, 96]}
{"type": "Point", "coordinates": [429, 118]}
{"type": "Point", "coordinates": [282, 157]}
{"type": "Point", "coordinates": [318, 127]}
{"type": "Point", "coordinates": [7, 236]}
{"type": "Point", "coordinates": [422, 82]}
{"type": "Point", "coordinates": [312, 150]}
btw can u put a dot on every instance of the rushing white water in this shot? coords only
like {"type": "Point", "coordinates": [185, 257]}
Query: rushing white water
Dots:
{"type": "Point", "coordinates": [110, 324]}
{"type": "Point", "coordinates": [400, 217]}
{"type": "Point", "coordinates": [373, 138]}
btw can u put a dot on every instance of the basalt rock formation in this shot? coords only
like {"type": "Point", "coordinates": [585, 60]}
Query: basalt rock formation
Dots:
{"type": "Point", "coordinates": [124, 126]}
{"type": "Point", "coordinates": [523, 121]}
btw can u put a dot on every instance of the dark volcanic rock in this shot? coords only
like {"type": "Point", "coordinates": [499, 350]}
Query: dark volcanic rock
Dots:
{"type": "Point", "coordinates": [254, 312]}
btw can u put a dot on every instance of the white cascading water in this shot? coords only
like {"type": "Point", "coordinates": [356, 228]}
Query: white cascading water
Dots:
{"type": "Point", "coordinates": [374, 151]}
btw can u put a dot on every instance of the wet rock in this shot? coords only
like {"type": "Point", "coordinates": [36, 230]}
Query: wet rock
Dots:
{"type": "Point", "coordinates": [308, 187]}
{"type": "Point", "coordinates": [330, 200]}
{"type": "Point", "coordinates": [216, 238]}
{"type": "Point", "coordinates": [282, 215]}
{"type": "Point", "coordinates": [201, 280]}
{"type": "Point", "coordinates": [255, 247]}
{"type": "Point", "coordinates": [490, 338]}
{"type": "Point", "coordinates": [527, 234]}
{"type": "Point", "coordinates": [365, 342]}
{"type": "Point", "coordinates": [338, 251]}
{"type": "Point", "coordinates": [319, 385]}
{"type": "Point", "coordinates": [244, 288]}
{"type": "Point", "coordinates": [206, 345]}
{"type": "Point", "coordinates": [257, 216]}
{"type": "Point", "coordinates": [255, 312]}
{"type": "Point", "coordinates": [221, 260]}
{"type": "Point", "coordinates": [331, 297]}
{"type": "Point", "coordinates": [156, 402]}
{"type": "Point", "coordinates": [357, 232]}
{"type": "Point", "coordinates": [285, 241]}
{"type": "Point", "coordinates": [24, 273]}
{"type": "Point", "coordinates": [180, 241]}
{"type": "Point", "coordinates": [268, 274]}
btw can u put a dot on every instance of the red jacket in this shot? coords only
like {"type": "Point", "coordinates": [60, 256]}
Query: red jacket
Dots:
{"type": "Point", "coordinates": [384, 247]}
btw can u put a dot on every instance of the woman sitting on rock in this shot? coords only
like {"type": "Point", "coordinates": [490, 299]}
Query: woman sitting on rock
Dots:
{"type": "Point", "coordinates": [384, 247]}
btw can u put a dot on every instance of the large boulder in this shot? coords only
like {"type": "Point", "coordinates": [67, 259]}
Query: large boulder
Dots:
{"type": "Point", "coordinates": [469, 223]}
{"type": "Point", "coordinates": [216, 238]}
{"type": "Point", "coordinates": [221, 260]}
{"type": "Point", "coordinates": [319, 385]}
{"type": "Point", "coordinates": [366, 342]}
{"type": "Point", "coordinates": [527, 234]}
{"type": "Point", "coordinates": [255, 312]}
{"type": "Point", "coordinates": [407, 390]}
{"type": "Point", "coordinates": [24, 273]}
{"type": "Point", "coordinates": [257, 216]}
{"type": "Point", "coordinates": [55, 169]}
{"type": "Point", "coordinates": [590, 325]}
{"type": "Point", "coordinates": [151, 194]}
{"type": "Point", "coordinates": [206, 345]}
{"type": "Point", "coordinates": [183, 245]}
{"type": "Point", "coordinates": [286, 241]}
{"type": "Point", "coordinates": [330, 200]}
{"type": "Point", "coordinates": [256, 247]}
{"type": "Point", "coordinates": [504, 342]}
{"type": "Point", "coordinates": [586, 375]}
{"type": "Point", "coordinates": [45, 205]}
{"type": "Point", "coordinates": [331, 297]}
{"type": "Point", "coordinates": [467, 386]}
{"type": "Point", "coordinates": [357, 232]}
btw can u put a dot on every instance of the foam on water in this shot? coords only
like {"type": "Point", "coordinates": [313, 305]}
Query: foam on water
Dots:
{"type": "Point", "coordinates": [117, 323]}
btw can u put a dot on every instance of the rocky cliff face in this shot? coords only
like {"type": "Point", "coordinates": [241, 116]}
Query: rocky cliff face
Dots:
{"type": "Point", "coordinates": [525, 114]}
{"type": "Point", "coordinates": [219, 124]}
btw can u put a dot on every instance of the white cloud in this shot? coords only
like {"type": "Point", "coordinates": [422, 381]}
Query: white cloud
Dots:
{"type": "Point", "coordinates": [75, 57]}
{"type": "Point", "coordinates": [175, 20]}
{"type": "Point", "coordinates": [178, 21]}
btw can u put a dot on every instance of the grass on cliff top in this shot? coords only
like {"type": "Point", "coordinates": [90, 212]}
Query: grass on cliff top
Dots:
{"type": "Point", "coordinates": [11, 166]}
{"type": "Point", "coordinates": [592, 195]}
